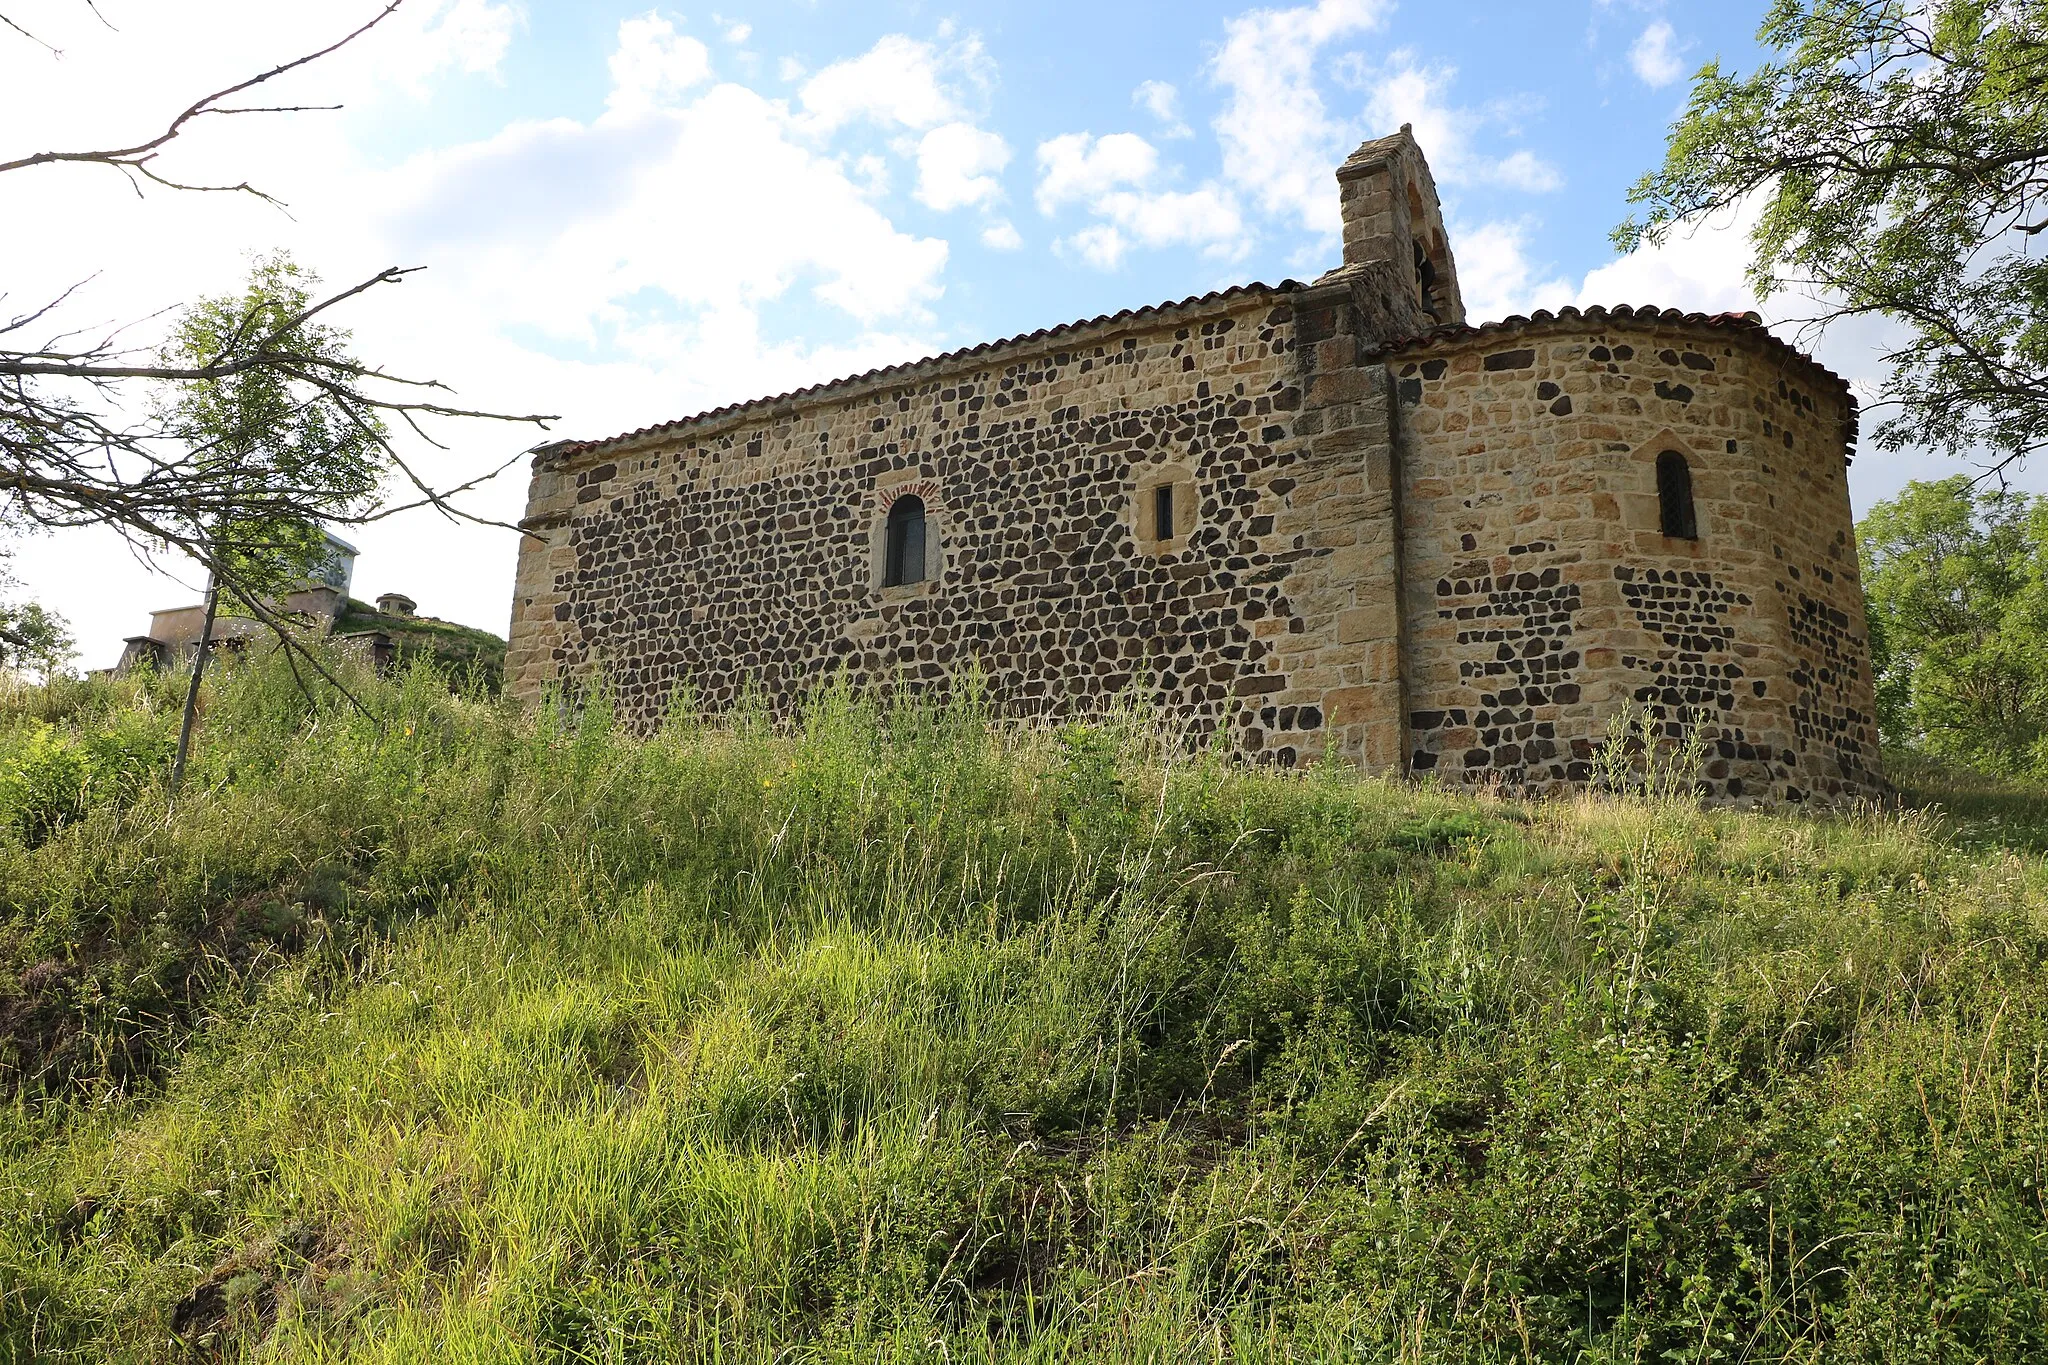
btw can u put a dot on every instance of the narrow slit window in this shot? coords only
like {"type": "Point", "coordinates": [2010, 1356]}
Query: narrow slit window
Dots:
{"type": "Point", "coordinates": [1162, 511]}
{"type": "Point", "coordinates": [1425, 279]}
{"type": "Point", "coordinates": [903, 555]}
{"type": "Point", "coordinates": [1674, 497]}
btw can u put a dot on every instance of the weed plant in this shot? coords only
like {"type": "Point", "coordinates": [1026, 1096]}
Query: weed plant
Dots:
{"type": "Point", "coordinates": [896, 1033]}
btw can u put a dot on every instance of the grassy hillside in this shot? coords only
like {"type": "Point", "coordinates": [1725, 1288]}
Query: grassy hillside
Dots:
{"type": "Point", "coordinates": [461, 650]}
{"type": "Point", "coordinates": [898, 1037]}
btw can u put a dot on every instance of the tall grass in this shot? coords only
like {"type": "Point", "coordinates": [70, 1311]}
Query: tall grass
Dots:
{"type": "Point", "coordinates": [897, 1034]}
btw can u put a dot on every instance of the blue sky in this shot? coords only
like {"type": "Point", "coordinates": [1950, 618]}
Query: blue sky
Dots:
{"type": "Point", "coordinates": [1553, 80]}
{"type": "Point", "coordinates": [1566, 87]}
{"type": "Point", "coordinates": [630, 213]}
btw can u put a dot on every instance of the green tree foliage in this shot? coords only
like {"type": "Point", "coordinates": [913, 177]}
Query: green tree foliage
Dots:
{"type": "Point", "coordinates": [1957, 585]}
{"type": "Point", "coordinates": [284, 447]}
{"type": "Point", "coordinates": [1898, 152]}
{"type": "Point", "coordinates": [34, 637]}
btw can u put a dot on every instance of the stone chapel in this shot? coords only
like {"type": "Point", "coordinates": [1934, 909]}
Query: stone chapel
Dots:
{"type": "Point", "coordinates": [1327, 518]}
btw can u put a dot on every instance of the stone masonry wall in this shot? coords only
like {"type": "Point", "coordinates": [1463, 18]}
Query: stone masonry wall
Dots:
{"type": "Point", "coordinates": [741, 550]}
{"type": "Point", "coordinates": [1541, 595]}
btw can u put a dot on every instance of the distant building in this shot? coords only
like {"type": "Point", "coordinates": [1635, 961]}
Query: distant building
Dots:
{"type": "Point", "coordinates": [318, 605]}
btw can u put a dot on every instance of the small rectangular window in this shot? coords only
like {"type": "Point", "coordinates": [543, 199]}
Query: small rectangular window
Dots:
{"type": "Point", "coordinates": [1162, 511]}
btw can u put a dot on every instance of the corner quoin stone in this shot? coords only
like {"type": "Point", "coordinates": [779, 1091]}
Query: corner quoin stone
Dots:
{"type": "Point", "coordinates": [1424, 546]}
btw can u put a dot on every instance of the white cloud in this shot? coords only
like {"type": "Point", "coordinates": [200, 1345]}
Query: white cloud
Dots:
{"type": "Point", "coordinates": [1524, 170]}
{"type": "Point", "coordinates": [1496, 277]}
{"type": "Point", "coordinates": [1111, 177]}
{"type": "Point", "coordinates": [159, 58]}
{"type": "Point", "coordinates": [470, 36]}
{"type": "Point", "coordinates": [738, 33]}
{"type": "Point", "coordinates": [652, 63]}
{"type": "Point", "coordinates": [1207, 217]}
{"type": "Point", "coordinates": [956, 165]}
{"type": "Point", "coordinates": [1279, 142]}
{"type": "Point", "coordinates": [1406, 91]}
{"type": "Point", "coordinates": [871, 173]}
{"type": "Point", "coordinates": [897, 81]}
{"type": "Point", "coordinates": [626, 216]}
{"type": "Point", "coordinates": [1101, 246]}
{"type": "Point", "coordinates": [1162, 101]}
{"type": "Point", "coordinates": [1656, 61]}
{"type": "Point", "coordinates": [1698, 269]}
{"type": "Point", "coordinates": [1001, 235]}
{"type": "Point", "coordinates": [1077, 167]}
{"type": "Point", "coordinates": [571, 264]}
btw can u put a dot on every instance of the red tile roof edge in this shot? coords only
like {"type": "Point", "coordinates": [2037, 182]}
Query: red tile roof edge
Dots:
{"type": "Point", "coordinates": [559, 450]}
{"type": "Point", "coordinates": [1748, 324]}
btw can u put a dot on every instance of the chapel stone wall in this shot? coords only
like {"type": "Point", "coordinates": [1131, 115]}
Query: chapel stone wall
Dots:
{"type": "Point", "coordinates": [739, 550]}
{"type": "Point", "coordinates": [1542, 596]}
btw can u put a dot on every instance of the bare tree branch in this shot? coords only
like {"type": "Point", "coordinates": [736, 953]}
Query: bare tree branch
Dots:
{"type": "Point", "coordinates": [135, 158]}
{"type": "Point", "coordinates": [89, 438]}
{"type": "Point", "coordinates": [30, 36]}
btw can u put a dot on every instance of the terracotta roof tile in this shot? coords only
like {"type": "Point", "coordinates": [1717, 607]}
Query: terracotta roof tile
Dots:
{"type": "Point", "coordinates": [558, 450]}
{"type": "Point", "coordinates": [1746, 324]}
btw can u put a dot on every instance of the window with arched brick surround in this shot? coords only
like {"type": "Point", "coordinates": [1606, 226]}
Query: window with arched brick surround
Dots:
{"type": "Point", "coordinates": [903, 559]}
{"type": "Point", "coordinates": [907, 539]}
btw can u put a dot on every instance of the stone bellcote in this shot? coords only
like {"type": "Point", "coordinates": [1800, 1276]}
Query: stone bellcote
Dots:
{"type": "Point", "coordinates": [1392, 219]}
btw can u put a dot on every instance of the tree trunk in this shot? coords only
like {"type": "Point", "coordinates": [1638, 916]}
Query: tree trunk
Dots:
{"type": "Point", "coordinates": [192, 691]}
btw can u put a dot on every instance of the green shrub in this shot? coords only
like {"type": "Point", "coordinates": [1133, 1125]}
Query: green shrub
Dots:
{"type": "Point", "coordinates": [44, 780]}
{"type": "Point", "coordinates": [50, 777]}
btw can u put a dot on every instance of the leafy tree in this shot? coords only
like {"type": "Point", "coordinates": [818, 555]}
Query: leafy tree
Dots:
{"type": "Point", "coordinates": [35, 638]}
{"type": "Point", "coordinates": [1898, 150]}
{"type": "Point", "coordinates": [255, 432]}
{"type": "Point", "coordinates": [1957, 587]}
{"type": "Point", "coordinates": [80, 444]}
{"type": "Point", "coordinates": [285, 451]}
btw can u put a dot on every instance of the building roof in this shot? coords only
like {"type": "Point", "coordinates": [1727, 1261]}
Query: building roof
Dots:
{"type": "Point", "coordinates": [558, 450]}
{"type": "Point", "coordinates": [1748, 325]}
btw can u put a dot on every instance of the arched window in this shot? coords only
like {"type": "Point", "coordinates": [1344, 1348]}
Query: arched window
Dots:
{"type": "Point", "coordinates": [903, 556]}
{"type": "Point", "coordinates": [1674, 497]}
